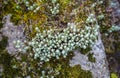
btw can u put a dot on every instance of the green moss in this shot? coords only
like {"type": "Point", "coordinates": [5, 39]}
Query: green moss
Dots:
{"type": "Point", "coordinates": [5, 61]}
{"type": "Point", "coordinates": [76, 72]}
{"type": "Point", "coordinates": [90, 55]}
{"type": "Point", "coordinates": [91, 58]}
{"type": "Point", "coordinates": [8, 71]}
{"type": "Point", "coordinates": [3, 43]}
{"type": "Point", "coordinates": [69, 72]}
{"type": "Point", "coordinates": [114, 44]}
{"type": "Point", "coordinates": [85, 51]}
{"type": "Point", "coordinates": [113, 75]}
{"type": "Point", "coordinates": [65, 71]}
{"type": "Point", "coordinates": [1, 24]}
{"type": "Point", "coordinates": [104, 23]}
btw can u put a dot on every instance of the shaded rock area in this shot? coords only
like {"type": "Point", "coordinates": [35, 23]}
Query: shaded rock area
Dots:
{"type": "Point", "coordinates": [99, 69]}
{"type": "Point", "coordinates": [114, 62]}
{"type": "Point", "coordinates": [114, 57]}
{"type": "Point", "coordinates": [13, 33]}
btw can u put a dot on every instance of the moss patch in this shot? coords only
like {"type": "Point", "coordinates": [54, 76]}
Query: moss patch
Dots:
{"type": "Point", "coordinates": [113, 75]}
{"type": "Point", "coordinates": [3, 43]}
{"type": "Point", "coordinates": [91, 58]}
{"type": "Point", "coordinates": [74, 72]}
{"type": "Point", "coordinates": [8, 71]}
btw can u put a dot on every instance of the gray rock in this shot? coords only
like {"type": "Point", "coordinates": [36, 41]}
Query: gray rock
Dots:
{"type": "Point", "coordinates": [99, 69]}
{"type": "Point", "coordinates": [13, 33]}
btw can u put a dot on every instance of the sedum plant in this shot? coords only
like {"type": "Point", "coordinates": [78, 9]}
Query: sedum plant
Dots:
{"type": "Point", "coordinates": [58, 43]}
{"type": "Point", "coordinates": [55, 9]}
{"type": "Point", "coordinates": [55, 43]}
{"type": "Point", "coordinates": [48, 44]}
{"type": "Point", "coordinates": [114, 28]}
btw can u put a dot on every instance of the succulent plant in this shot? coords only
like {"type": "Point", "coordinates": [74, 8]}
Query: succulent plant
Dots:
{"type": "Point", "coordinates": [46, 45]}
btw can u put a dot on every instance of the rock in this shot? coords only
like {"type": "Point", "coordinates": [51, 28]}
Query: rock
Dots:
{"type": "Point", "coordinates": [13, 33]}
{"type": "Point", "coordinates": [99, 69]}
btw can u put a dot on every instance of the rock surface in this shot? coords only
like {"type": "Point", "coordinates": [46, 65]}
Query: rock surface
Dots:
{"type": "Point", "coordinates": [13, 33]}
{"type": "Point", "coordinates": [99, 69]}
{"type": "Point", "coordinates": [115, 14]}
